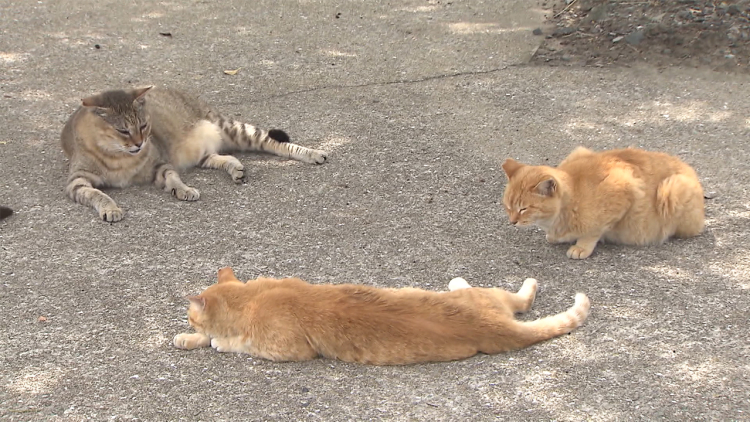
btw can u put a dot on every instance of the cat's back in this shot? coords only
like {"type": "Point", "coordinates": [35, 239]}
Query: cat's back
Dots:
{"type": "Point", "coordinates": [173, 109]}
{"type": "Point", "coordinates": [77, 128]}
{"type": "Point", "coordinates": [649, 166]}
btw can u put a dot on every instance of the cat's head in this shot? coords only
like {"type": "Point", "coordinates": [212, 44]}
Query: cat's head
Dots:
{"type": "Point", "coordinates": [532, 195]}
{"type": "Point", "coordinates": [207, 308]}
{"type": "Point", "coordinates": [126, 126]}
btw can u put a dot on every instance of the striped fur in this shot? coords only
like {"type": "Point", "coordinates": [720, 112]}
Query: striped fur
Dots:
{"type": "Point", "coordinates": [120, 138]}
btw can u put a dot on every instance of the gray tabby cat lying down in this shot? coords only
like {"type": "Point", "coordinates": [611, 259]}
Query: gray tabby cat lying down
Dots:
{"type": "Point", "coordinates": [138, 136]}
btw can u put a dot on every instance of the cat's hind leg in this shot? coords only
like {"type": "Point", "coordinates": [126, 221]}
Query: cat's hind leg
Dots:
{"type": "Point", "coordinates": [167, 178]}
{"type": "Point", "coordinates": [521, 302]}
{"type": "Point", "coordinates": [227, 163]}
{"type": "Point", "coordinates": [200, 147]}
{"type": "Point", "coordinates": [679, 201]}
{"type": "Point", "coordinates": [189, 341]}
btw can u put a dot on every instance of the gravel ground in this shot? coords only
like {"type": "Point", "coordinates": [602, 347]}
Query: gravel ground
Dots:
{"type": "Point", "coordinates": [663, 33]}
{"type": "Point", "coordinates": [418, 103]}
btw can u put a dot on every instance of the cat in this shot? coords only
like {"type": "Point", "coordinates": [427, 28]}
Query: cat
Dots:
{"type": "Point", "coordinates": [627, 196]}
{"type": "Point", "coordinates": [5, 212]}
{"type": "Point", "coordinates": [291, 320]}
{"type": "Point", "coordinates": [123, 137]}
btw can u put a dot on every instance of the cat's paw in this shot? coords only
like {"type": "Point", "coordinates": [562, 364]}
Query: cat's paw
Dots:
{"type": "Point", "coordinates": [189, 341]}
{"type": "Point", "coordinates": [110, 213]}
{"type": "Point", "coordinates": [186, 194]}
{"type": "Point", "coordinates": [458, 283]}
{"type": "Point", "coordinates": [578, 252]}
{"type": "Point", "coordinates": [222, 345]}
{"type": "Point", "coordinates": [318, 157]}
{"type": "Point", "coordinates": [238, 174]}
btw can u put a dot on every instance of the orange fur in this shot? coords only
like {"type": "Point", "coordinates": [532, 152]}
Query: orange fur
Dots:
{"type": "Point", "coordinates": [291, 320]}
{"type": "Point", "coordinates": [627, 196]}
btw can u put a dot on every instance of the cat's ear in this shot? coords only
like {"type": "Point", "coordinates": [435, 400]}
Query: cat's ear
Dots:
{"type": "Point", "coordinates": [92, 101]}
{"type": "Point", "coordinates": [140, 93]}
{"type": "Point", "coordinates": [227, 274]}
{"type": "Point", "coordinates": [198, 301]}
{"type": "Point", "coordinates": [546, 187]}
{"type": "Point", "coordinates": [511, 166]}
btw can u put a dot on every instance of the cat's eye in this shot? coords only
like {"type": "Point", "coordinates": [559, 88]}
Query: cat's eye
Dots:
{"type": "Point", "coordinates": [143, 126]}
{"type": "Point", "coordinates": [125, 132]}
{"type": "Point", "coordinates": [522, 210]}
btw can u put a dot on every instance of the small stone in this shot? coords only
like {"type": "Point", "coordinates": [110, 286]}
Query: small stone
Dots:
{"type": "Point", "coordinates": [635, 38]}
{"type": "Point", "coordinates": [597, 14]}
{"type": "Point", "coordinates": [567, 30]}
{"type": "Point", "coordinates": [733, 10]}
{"type": "Point", "coordinates": [710, 195]}
{"type": "Point", "coordinates": [537, 31]}
{"type": "Point", "coordinates": [734, 34]}
{"type": "Point", "coordinates": [666, 51]}
{"type": "Point", "coordinates": [566, 57]}
{"type": "Point", "coordinates": [617, 39]}
{"type": "Point", "coordinates": [729, 56]}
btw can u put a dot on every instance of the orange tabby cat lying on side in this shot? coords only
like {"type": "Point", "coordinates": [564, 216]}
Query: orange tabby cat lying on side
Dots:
{"type": "Point", "coordinates": [291, 320]}
{"type": "Point", "coordinates": [626, 196]}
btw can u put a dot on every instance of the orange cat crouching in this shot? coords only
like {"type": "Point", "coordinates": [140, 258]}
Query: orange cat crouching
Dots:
{"type": "Point", "coordinates": [626, 196]}
{"type": "Point", "coordinates": [291, 320]}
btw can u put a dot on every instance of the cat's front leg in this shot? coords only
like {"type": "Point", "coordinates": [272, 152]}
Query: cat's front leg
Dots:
{"type": "Point", "coordinates": [227, 345]}
{"type": "Point", "coordinates": [81, 190]}
{"type": "Point", "coordinates": [167, 178]}
{"type": "Point", "coordinates": [583, 247]}
{"type": "Point", "coordinates": [189, 341]}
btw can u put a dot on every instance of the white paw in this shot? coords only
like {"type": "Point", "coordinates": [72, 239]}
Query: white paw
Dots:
{"type": "Point", "coordinates": [529, 284]}
{"type": "Point", "coordinates": [238, 174]}
{"type": "Point", "coordinates": [219, 346]}
{"type": "Point", "coordinates": [458, 283]}
{"type": "Point", "coordinates": [181, 340]}
{"type": "Point", "coordinates": [318, 157]}
{"type": "Point", "coordinates": [110, 214]}
{"type": "Point", "coordinates": [188, 194]}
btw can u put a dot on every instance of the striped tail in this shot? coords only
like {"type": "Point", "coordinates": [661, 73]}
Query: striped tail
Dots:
{"type": "Point", "coordinates": [240, 136]}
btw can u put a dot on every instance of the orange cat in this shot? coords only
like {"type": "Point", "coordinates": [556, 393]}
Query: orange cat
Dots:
{"type": "Point", "coordinates": [291, 320]}
{"type": "Point", "coordinates": [627, 196]}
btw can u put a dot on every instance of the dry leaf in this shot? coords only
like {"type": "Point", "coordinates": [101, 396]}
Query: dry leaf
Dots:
{"type": "Point", "coordinates": [41, 319]}
{"type": "Point", "coordinates": [232, 72]}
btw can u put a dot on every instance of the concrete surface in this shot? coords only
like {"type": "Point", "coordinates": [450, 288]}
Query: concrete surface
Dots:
{"type": "Point", "coordinates": [418, 102]}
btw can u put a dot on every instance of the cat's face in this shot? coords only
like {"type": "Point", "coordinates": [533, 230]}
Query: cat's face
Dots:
{"type": "Point", "coordinates": [531, 196]}
{"type": "Point", "coordinates": [126, 127]}
{"type": "Point", "coordinates": [203, 306]}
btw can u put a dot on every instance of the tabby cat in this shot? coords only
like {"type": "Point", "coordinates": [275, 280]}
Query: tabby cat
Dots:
{"type": "Point", "coordinates": [119, 138]}
{"type": "Point", "coordinates": [5, 212]}
{"type": "Point", "coordinates": [291, 320]}
{"type": "Point", "coordinates": [626, 196]}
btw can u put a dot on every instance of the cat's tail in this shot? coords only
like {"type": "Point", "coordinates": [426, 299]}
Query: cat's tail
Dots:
{"type": "Point", "coordinates": [5, 212]}
{"type": "Point", "coordinates": [240, 136]}
{"type": "Point", "coordinates": [531, 332]}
